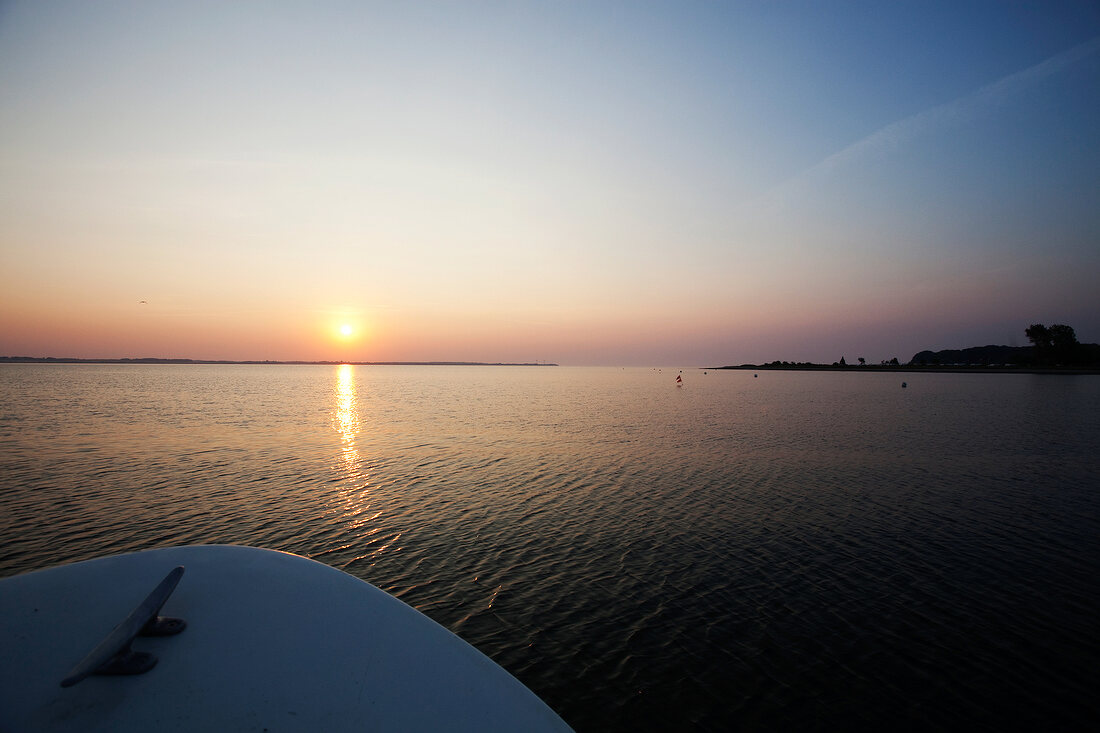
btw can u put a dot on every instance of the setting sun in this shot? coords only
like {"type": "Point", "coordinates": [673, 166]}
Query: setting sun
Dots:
{"type": "Point", "coordinates": [345, 329]}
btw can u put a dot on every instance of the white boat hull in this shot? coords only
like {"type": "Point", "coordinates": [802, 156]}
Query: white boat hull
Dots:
{"type": "Point", "coordinates": [273, 642]}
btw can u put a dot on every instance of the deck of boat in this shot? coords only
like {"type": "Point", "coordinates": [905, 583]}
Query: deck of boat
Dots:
{"type": "Point", "coordinates": [273, 642]}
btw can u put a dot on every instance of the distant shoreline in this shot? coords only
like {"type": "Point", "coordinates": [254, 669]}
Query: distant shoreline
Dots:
{"type": "Point", "coordinates": [909, 368]}
{"type": "Point", "coordinates": [805, 367]}
{"type": "Point", "coordinates": [150, 360]}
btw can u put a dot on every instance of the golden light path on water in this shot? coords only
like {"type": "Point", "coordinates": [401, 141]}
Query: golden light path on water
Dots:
{"type": "Point", "coordinates": [345, 416]}
{"type": "Point", "coordinates": [354, 498]}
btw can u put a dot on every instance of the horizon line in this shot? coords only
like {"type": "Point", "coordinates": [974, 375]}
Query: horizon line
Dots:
{"type": "Point", "coordinates": [299, 362]}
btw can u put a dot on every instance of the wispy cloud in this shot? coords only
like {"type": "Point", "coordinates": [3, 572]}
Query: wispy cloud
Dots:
{"type": "Point", "coordinates": [956, 112]}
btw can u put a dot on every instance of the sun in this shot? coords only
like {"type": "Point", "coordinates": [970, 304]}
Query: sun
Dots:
{"type": "Point", "coordinates": [347, 329]}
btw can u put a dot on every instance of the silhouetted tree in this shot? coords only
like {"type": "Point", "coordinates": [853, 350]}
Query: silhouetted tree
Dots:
{"type": "Point", "coordinates": [1039, 336]}
{"type": "Point", "coordinates": [862, 361]}
{"type": "Point", "coordinates": [1055, 344]}
{"type": "Point", "coordinates": [894, 361]}
{"type": "Point", "coordinates": [842, 362]}
{"type": "Point", "coordinates": [1063, 343]}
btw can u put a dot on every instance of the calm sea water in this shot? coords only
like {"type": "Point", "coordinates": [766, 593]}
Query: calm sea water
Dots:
{"type": "Point", "coordinates": [796, 551]}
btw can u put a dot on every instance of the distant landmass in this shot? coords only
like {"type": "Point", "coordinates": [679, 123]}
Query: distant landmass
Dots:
{"type": "Point", "coordinates": [1084, 355]}
{"type": "Point", "coordinates": [1054, 348]}
{"type": "Point", "coordinates": [978, 355]}
{"type": "Point", "coordinates": [151, 360]}
{"type": "Point", "coordinates": [1081, 358]}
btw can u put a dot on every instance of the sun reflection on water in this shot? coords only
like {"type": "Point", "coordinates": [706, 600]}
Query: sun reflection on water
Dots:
{"type": "Point", "coordinates": [346, 422]}
{"type": "Point", "coordinates": [354, 499]}
{"type": "Point", "coordinates": [345, 414]}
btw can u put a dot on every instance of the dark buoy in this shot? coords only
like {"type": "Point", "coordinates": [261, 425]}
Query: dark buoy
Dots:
{"type": "Point", "coordinates": [754, 376]}
{"type": "Point", "coordinates": [904, 385]}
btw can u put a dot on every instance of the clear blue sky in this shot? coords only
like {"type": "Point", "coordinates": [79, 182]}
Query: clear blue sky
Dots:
{"type": "Point", "coordinates": [587, 183]}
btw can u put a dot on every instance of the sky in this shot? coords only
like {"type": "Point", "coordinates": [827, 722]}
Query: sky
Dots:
{"type": "Point", "coordinates": [585, 183]}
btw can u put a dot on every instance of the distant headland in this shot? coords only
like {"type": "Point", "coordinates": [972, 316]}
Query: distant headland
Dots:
{"type": "Point", "coordinates": [1054, 349]}
{"type": "Point", "coordinates": [152, 360]}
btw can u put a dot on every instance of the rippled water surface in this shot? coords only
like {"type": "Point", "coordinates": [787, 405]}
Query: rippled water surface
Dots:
{"type": "Point", "coordinates": [811, 551]}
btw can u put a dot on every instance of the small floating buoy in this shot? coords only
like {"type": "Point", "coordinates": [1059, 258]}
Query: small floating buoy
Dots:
{"type": "Point", "coordinates": [754, 376]}
{"type": "Point", "coordinates": [904, 385]}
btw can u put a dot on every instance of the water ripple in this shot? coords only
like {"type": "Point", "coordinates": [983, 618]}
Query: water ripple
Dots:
{"type": "Point", "coordinates": [809, 551]}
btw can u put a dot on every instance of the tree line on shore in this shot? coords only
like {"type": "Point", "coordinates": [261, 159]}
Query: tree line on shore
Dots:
{"type": "Point", "coordinates": [1052, 347]}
